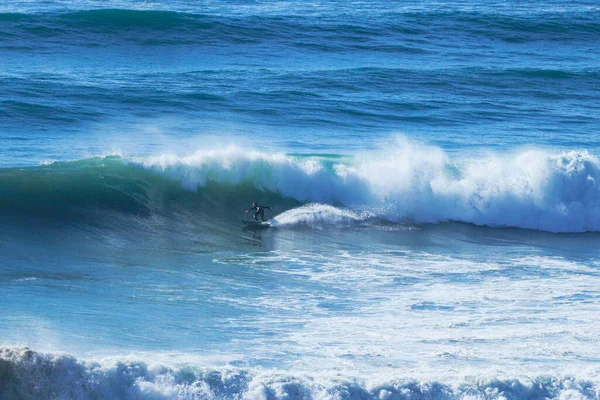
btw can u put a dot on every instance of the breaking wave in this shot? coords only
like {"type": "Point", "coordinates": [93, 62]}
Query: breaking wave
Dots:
{"type": "Point", "coordinates": [533, 189]}
{"type": "Point", "coordinates": [28, 374]}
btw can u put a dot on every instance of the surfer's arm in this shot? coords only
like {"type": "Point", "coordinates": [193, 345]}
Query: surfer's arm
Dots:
{"type": "Point", "coordinates": [250, 209]}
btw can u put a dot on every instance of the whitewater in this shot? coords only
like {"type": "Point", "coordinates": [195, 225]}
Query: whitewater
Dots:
{"type": "Point", "coordinates": [433, 172]}
{"type": "Point", "coordinates": [528, 189]}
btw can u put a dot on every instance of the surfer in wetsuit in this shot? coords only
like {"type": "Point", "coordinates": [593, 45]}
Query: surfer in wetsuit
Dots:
{"type": "Point", "coordinates": [259, 210]}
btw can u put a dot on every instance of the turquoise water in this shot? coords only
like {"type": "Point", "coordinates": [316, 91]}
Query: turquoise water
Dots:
{"type": "Point", "coordinates": [434, 175]}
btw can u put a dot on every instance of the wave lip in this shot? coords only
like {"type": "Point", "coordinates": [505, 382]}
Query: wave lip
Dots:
{"type": "Point", "coordinates": [305, 179]}
{"type": "Point", "coordinates": [29, 374]}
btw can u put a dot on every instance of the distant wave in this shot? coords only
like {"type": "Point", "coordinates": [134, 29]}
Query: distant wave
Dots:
{"type": "Point", "coordinates": [534, 189]}
{"type": "Point", "coordinates": [313, 95]}
{"type": "Point", "coordinates": [29, 374]}
{"type": "Point", "coordinates": [143, 26]}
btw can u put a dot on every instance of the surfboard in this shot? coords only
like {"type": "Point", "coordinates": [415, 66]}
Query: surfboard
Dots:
{"type": "Point", "coordinates": [256, 225]}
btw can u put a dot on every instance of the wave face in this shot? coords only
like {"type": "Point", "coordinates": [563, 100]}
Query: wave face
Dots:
{"type": "Point", "coordinates": [63, 376]}
{"type": "Point", "coordinates": [533, 189]}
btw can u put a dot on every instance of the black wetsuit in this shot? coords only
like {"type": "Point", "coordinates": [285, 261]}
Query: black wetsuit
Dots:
{"type": "Point", "coordinates": [260, 210]}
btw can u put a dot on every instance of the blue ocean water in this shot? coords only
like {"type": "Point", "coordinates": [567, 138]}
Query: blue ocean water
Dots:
{"type": "Point", "coordinates": [433, 169]}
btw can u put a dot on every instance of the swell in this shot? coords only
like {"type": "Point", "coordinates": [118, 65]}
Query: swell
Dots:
{"type": "Point", "coordinates": [325, 97]}
{"type": "Point", "coordinates": [354, 31]}
{"type": "Point", "coordinates": [64, 376]}
{"type": "Point", "coordinates": [534, 189]}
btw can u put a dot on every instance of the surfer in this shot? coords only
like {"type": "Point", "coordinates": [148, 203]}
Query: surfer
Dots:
{"type": "Point", "coordinates": [259, 210]}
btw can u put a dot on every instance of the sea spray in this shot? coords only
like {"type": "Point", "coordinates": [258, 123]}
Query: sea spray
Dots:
{"type": "Point", "coordinates": [316, 215]}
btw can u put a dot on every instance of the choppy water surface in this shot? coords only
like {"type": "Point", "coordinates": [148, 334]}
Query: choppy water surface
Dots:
{"type": "Point", "coordinates": [434, 175]}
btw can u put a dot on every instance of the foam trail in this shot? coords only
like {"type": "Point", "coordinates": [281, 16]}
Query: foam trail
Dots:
{"type": "Point", "coordinates": [534, 189]}
{"type": "Point", "coordinates": [315, 215]}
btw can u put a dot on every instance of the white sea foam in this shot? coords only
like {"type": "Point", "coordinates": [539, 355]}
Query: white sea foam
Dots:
{"type": "Point", "coordinates": [558, 192]}
{"type": "Point", "coordinates": [29, 374]}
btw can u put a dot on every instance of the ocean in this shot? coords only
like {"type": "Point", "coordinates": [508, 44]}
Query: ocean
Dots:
{"type": "Point", "coordinates": [433, 170]}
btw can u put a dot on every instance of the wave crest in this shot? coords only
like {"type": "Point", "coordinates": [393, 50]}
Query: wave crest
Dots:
{"type": "Point", "coordinates": [531, 189]}
{"type": "Point", "coordinates": [29, 374]}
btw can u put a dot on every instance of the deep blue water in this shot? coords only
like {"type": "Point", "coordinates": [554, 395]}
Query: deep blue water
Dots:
{"type": "Point", "coordinates": [433, 169]}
